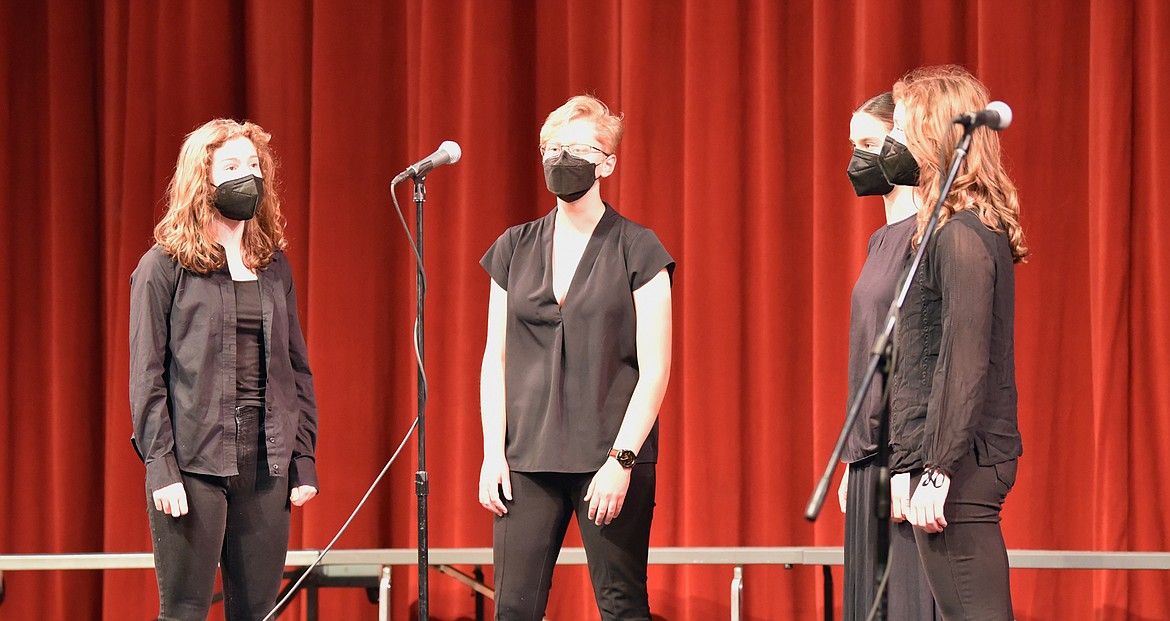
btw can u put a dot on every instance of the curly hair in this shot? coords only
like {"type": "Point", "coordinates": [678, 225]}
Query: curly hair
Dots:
{"type": "Point", "coordinates": [932, 96]}
{"type": "Point", "coordinates": [185, 230]}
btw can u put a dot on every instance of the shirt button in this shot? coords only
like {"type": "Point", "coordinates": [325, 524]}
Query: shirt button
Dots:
{"type": "Point", "coordinates": [276, 468]}
{"type": "Point", "coordinates": [272, 440]}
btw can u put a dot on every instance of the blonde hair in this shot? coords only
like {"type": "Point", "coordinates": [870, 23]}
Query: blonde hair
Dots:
{"type": "Point", "coordinates": [609, 127]}
{"type": "Point", "coordinates": [185, 230]}
{"type": "Point", "coordinates": [932, 96]}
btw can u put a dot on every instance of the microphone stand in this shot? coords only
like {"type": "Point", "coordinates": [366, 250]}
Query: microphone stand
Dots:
{"type": "Point", "coordinates": [421, 482]}
{"type": "Point", "coordinates": [882, 357]}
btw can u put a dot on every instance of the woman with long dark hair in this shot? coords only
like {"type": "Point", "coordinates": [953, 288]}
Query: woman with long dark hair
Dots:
{"type": "Point", "coordinates": [908, 594]}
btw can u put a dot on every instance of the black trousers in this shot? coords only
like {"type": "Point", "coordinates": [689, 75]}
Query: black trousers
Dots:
{"type": "Point", "coordinates": [967, 564]}
{"type": "Point", "coordinates": [909, 597]}
{"type": "Point", "coordinates": [528, 539]}
{"type": "Point", "coordinates": [239, 522]}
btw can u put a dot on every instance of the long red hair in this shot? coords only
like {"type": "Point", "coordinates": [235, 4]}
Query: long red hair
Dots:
{"type": "Point", "coordinates": [185, 230]}
{"type": "Point", "coordinates": [932, 96]}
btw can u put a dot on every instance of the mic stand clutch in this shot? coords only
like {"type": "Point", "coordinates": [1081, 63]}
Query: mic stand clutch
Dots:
{"type": "Point", "coordinates": [882, 357]}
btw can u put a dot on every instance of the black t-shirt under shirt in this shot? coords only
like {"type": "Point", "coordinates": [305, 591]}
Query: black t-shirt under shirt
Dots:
{"type": "Point", "coordinates": [250, 376]}
{"type": "Point", "coordinates": [570, 370]}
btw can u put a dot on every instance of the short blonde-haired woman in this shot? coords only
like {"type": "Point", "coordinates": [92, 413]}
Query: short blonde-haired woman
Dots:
{"type": "Point", "coordinates": [574, 371]}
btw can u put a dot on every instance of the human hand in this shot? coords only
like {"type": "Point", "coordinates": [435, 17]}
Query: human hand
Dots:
{"type": "Point", "coordinates": [900, 497]}
{"type": "Point", "coordinates": [926, 508]}
{"type": "Point", "coordinates": [494, 477]}
{"type": "Point", "coordinates": [843, 489]}
{"type": "Point", "coordinates": [302, 494]}
{"type": "Point", "coordinates": [171, 499]}
{"type": "Point", "coordinates": [607, 492]}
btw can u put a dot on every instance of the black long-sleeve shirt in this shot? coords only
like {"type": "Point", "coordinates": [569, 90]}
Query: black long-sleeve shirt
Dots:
{"type": "Point", "coordinates": [183, 373]}
{"type": "Point", "coordinates": [954, 387]}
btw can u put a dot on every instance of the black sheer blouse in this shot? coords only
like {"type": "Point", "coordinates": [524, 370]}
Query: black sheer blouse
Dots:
{"type": "Point", "coordinates": [570, 370]}
{"type": "Point", "coordinates": [954, 387]}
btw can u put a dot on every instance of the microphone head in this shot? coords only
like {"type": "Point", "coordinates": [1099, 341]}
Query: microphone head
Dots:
{"type": "Point", "coordinates": [453, 152]}
{"type": "Point", "coordinates": [1005, 115]}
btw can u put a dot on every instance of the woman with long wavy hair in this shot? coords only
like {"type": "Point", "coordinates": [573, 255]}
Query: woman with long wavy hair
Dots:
{"type": "Point", "coordinates": [221, 394]}
{"type": "Point", "coordinates": [953, 399]}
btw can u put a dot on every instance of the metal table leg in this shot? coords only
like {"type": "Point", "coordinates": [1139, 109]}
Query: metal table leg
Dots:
{"type": "Point", "coordinates": [384, 595]}
{"type": "Point", "coordinates": [737, 594]}
{"type": "Point", "coordinates": [827, 571]}
{"type": "Point", "coordinates": [479, 603]}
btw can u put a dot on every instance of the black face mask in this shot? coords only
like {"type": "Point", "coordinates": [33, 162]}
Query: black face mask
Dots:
{"type": "Point", "coordinates": [569, 176]}
{"type": "Point", "coordinates": [866, 176]}
{"type": "Point", "coordinates": [237, 199]}
{"type": "Point", "coordinates": [897, 163]}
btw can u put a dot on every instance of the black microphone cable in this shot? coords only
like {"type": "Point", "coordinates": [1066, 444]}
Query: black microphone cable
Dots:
{"type": "Point", "coordinates": [292, 590]}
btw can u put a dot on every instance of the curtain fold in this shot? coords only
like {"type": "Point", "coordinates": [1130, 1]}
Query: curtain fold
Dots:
{"type": "Point", "coordinates": [737, 117]}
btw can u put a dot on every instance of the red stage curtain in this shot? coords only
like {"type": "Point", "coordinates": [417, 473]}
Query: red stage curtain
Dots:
{"type": "Point", "coordinates": [735, 154]}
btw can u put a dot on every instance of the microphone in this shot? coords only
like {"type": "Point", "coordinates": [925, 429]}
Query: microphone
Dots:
{"type": "Point", "coordinates": [997, 116]}
{"type": "Point", "coordinates": [447, 153]}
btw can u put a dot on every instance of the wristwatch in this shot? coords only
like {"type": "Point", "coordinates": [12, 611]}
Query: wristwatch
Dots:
{"type": "Point", "coordinates": [625, 457]}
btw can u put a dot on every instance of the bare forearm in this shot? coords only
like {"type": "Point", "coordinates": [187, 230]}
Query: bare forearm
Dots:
{"type": "Point", "coordinates": [491, 407]}
{"type": "Point", "coordinates": [642, 411]}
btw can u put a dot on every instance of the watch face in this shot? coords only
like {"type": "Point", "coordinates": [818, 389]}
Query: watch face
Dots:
{"type": "Point", "coordinates": [626, 458]}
